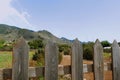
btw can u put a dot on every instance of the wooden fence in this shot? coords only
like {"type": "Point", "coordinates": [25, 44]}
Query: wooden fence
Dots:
{"type": "Point", "coordinates": [21, 70]}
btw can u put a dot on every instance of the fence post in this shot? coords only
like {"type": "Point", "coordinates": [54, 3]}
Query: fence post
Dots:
{"type": "Point", "coordinates": [116, 60]}
{"type": "Point", "coordinates": [98, 61]}
{"type": "Point", "coordinates": [77, 61]}
{"type": "Point", "coordinates": [20, 60]}
{"type": "Point", "coordinates": [51, 61]}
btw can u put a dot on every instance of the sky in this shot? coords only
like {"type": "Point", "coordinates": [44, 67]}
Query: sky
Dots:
{"type": "Point", "coordinates": [86, 20]}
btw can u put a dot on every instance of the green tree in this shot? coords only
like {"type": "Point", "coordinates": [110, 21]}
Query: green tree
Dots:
{"type": "Point", "coordinates": [2, 44]}
{"type": "Point", "coordinates": [65, 48]}
{"type": "Point", "coordinates": [88, 50]}
{"type": "Point", "coordinates": [35, 44]}
{"type": "Point", "coordinates": [39, 53]}
{"type": "Point", "coordinates": [39, 56]}
{"type": "Point", "coordinates": [105, 43]}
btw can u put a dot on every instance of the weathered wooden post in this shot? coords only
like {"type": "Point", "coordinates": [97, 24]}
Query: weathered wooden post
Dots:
{"type": "Point", "coordinates": [98, 61]}
{"type": "Point", "coordinates": [51, 61]}
{"type": "Point", "coordinates": [77, 61]}
{"type": "Point", "coordinates": [116, 60]}
{"type": "Point", "coordinates": [20, 60]}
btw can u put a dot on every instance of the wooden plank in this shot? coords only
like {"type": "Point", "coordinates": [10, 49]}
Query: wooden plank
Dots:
{"type": "Point", "coordinates": [39, 71]}
{"type": "Point", "coordinates": [115, 60]}
{"type": "Point", "coordinates": [77, 61]}
{"type": "Point", "coordinates": [36, 71]}
{"type": "Point", "coordinates": [51, 61]}
{"type": "Point", "coordinates": [1, 74]}
{"type": "Point", "coordinates": [98, 61]}
{"type": "Point", "coordinates": [60, 70]}
{"type": "Point", "coordinates": [67, 69]}
{"type": "Point", "coordinates": [20, 60]}
{"type": "Point", "coordinates": [7, 74]}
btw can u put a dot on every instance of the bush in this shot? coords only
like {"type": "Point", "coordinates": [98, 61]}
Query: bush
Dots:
{"type": "Point", "coordinates": [65, 49]}
{"type": "Point", "coordinates": [88, 50]}
{"type": "Point", "coordinates": [2, 44]}
{"type": "Point", "coordinates": [39, 57]}
{"type": "Point", "coordinates": [6, 46]}
{"type": "Point", "coordinates": [105, 43]}
{"type": "Point", "coordinates": [88, 54]}
{"type": "Point", "coordinates": [35, 44]}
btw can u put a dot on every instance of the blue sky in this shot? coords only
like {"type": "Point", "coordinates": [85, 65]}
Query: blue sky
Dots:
{"type": "Point", "coordinates": [86, 20]}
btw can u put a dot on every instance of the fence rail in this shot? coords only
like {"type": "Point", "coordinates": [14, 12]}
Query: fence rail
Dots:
{"type": "Point", "coordinates": [62, 70]}
{"type": "Point", "coordinates": [21, 71]}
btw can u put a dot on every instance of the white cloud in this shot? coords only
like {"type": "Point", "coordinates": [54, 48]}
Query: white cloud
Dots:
{"type": "Point", "coordinates": [9, 15]}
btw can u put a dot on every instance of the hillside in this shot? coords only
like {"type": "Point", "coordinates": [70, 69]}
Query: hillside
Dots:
{"type": "Point", "coordinates": [10, 33]}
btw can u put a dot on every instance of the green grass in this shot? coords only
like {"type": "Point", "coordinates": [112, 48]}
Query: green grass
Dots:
{"type": "Point", "coordinates": [107, 55]}
{"type": "Point", "coordinates": [6, 58]}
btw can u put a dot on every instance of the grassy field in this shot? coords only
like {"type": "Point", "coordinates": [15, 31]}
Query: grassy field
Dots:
{"type": "Point", "coordinates": [6, 58]}
{"type": "Point", "coordinates": [106, 55]}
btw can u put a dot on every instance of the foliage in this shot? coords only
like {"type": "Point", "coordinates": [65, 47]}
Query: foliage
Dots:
{"type": "Point", "coordinates": [39, 56]}
{"type": "Point", "coordinates": [6, 46]}
{"type": "Point", "coordinates": [88, 54]}
{"type": "Point", "coordinates": [35, 44]}
{"type": "Point", "coordinates": [105, 43]}
{"type": "Point", "coordinates": [1, 43]}
{"type": "Point", "coordinates": [39, 53]}
{"type": "Point", "coordinates": [66, 49]}
{"type": "Point", "coordinates": [88, 50]}
{"type": "Point", "coordinates": [36, 56]}
{"type": "Point", "coordinates": [27, 34]}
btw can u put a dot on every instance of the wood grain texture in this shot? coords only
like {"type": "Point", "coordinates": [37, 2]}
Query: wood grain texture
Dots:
{"type": "Point", "coordinates": [116, 60]}
{"type": "Point", "coordinates": [20, 60]}
{"type": "Point", "coordinates": [39, 71]}
{"type": "Point", "coordinates": [1, 74]}
{"type": "Point", "coordinates": [77, 61]}
{"type": "Point", "coordinates": [98, 61]}
{"type": "Point", "coordinates": [51, 61]}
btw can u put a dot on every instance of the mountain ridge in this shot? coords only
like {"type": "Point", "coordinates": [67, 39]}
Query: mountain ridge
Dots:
{"type": "Point", "coordinates": [10, 33]}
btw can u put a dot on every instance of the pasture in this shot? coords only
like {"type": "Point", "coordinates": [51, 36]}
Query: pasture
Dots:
{"type": "Point", "coordinates": [6, 59]}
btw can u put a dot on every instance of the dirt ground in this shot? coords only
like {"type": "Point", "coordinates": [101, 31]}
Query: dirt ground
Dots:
{"type": "Point", "coordinates": [88, 76]}
{"type": "Point", "coordinates": [107, 75]}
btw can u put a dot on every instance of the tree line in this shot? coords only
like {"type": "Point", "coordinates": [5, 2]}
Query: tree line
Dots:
{"type": "Point", "coordinates": [64, 49]}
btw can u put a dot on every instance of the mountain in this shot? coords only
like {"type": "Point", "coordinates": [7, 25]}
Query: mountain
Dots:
{"type": "Point", "coordinates": [10, 33]}
{"type": "Point", "coordinates": [66, 40]}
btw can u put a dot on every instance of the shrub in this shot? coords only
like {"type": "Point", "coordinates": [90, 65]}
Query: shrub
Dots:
{"type": "Point", "coordinates": [88, 50]}
{"type": "Point", "coordinates": [35, 44]}
{"type": "Point", "coordinates": [105, 43]}
{"type": "Point", "coordinates": [39, 57]}
{"type": "Point", "coordinates": [88, 54]}
{"type": "Point", "coordinates": [65, 49]}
